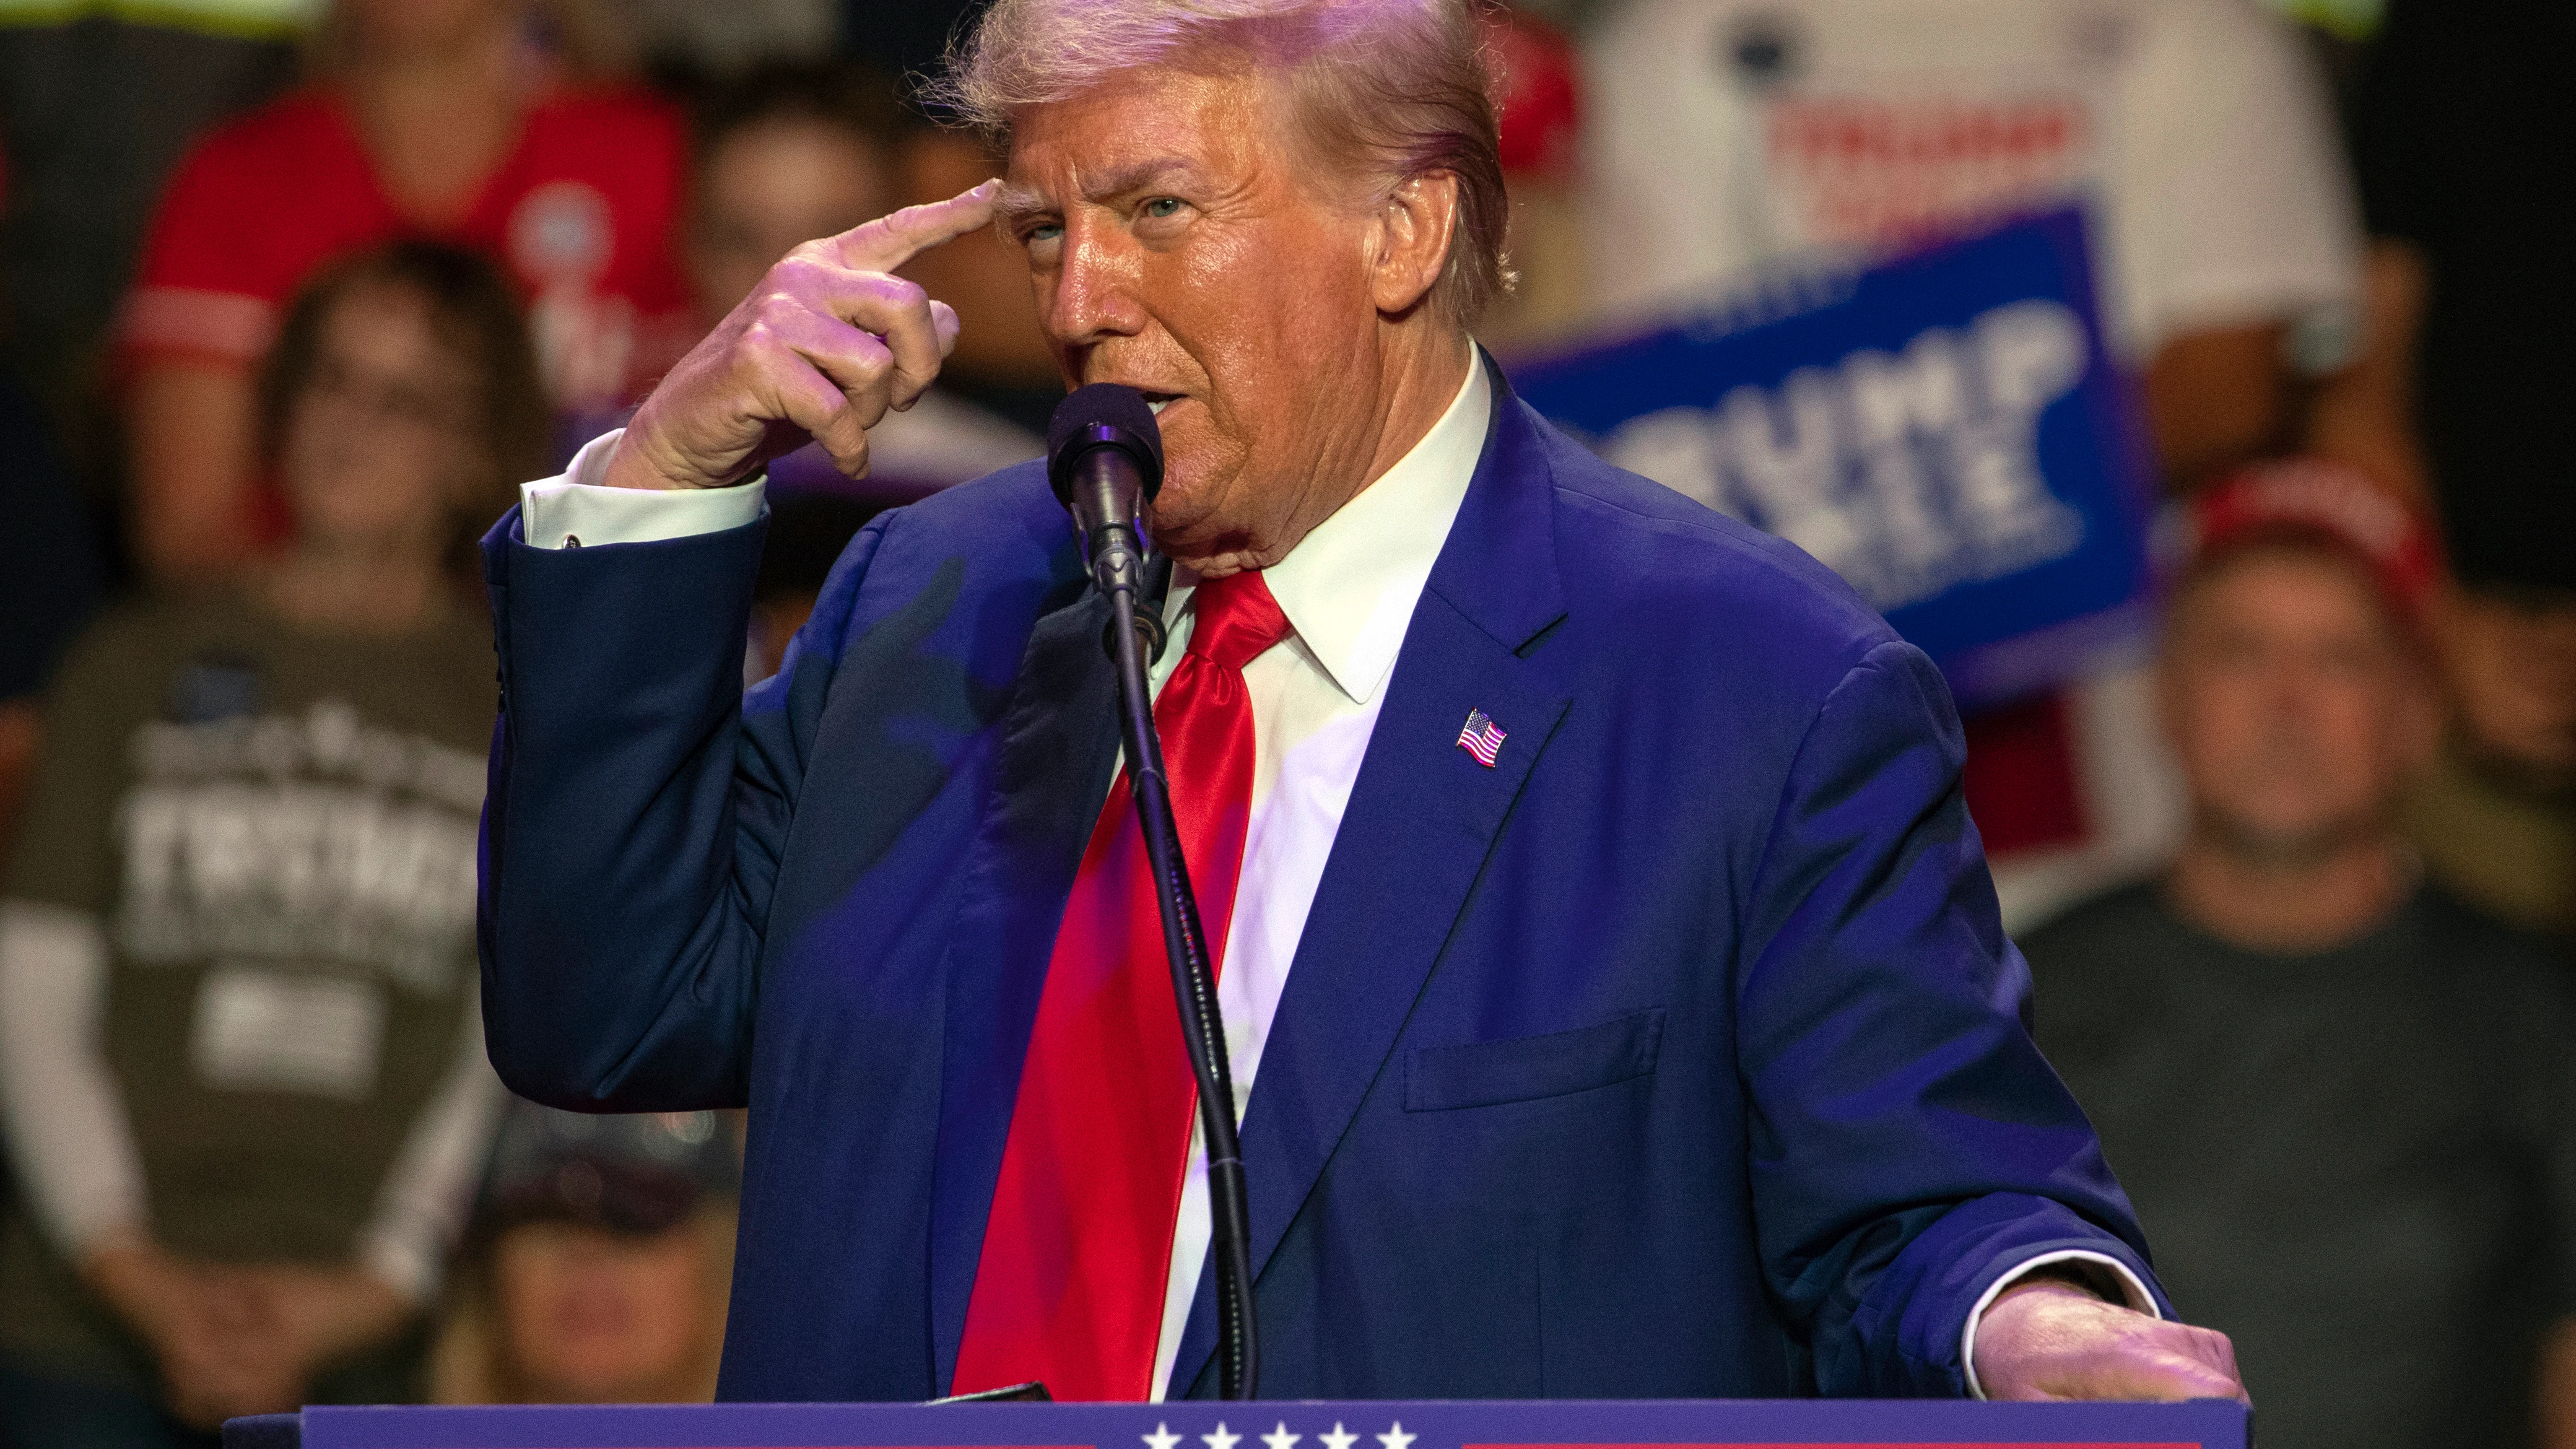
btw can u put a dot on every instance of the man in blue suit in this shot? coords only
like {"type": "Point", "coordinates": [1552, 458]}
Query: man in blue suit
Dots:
{"type": "Point", "coordinates": [1616, 993]}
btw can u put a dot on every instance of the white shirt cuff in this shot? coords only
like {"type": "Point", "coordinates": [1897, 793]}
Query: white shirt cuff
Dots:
{"type": "Point", "coordinates": [575, 510]}
{"type": "Point", "coordinates": [67, 1127]}
{"type": "Point", "coordinates": [2139, 1299]}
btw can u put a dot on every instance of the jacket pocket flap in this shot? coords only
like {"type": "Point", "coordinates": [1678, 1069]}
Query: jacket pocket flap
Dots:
{"type": "Point", "coordinates": [1486, 1073]}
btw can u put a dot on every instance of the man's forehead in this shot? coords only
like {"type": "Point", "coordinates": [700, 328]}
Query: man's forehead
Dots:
{"type": "Point", "coordinates": [1154, 127]}
{"type": "Point", "coordinates": [1047, 188]}
{"type": "Point", "coordinates": [2285, 587]}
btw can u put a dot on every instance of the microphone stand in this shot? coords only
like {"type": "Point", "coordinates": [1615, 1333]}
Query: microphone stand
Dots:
{"type": "Point", "coordinates": [1135, 637]}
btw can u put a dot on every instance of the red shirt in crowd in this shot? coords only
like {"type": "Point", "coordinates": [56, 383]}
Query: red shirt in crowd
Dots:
{"type": "Point", "coordinates": [581, 212]}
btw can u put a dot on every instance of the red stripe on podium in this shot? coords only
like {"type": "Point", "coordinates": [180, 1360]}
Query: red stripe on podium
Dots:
{"type": "Point", "coordinates": [1867, 1444]}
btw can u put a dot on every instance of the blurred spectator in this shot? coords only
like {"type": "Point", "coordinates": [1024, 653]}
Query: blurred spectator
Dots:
{"type": "Point", "coordinates": [1729, 136]}
{"type": "Point", "coordinates": [693, 41]}
{"type": "Point", "coordinates": [240, 1058]}
{"type": "Point", "coordinates": [1538, 96]}
{"type": "Point", "coordinates": [97, 101]}
{"type": "Point", "coordinates": [2341, 1099]}
{"type": "Point", "coordinates": [2496, 816]}
{"type": "Point", "coordinates": [787, 154]}
{"type": "Point", "coordinates": [601, 1259]}
{"type": "Point", "coordinates": [2466, 139]}
{"type": "Point", "coordinates": [1001, 362]}
{"type": "Point", "coordinates": [434, 119]}
{"type": "Point", "coordinates": [790, 153]}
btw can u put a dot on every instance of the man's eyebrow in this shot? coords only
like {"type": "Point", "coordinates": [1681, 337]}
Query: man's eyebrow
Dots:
{"type": "Point", "coordinates": [1140, 176]}
{"type": "Point", "coordinates": [1018, 202]}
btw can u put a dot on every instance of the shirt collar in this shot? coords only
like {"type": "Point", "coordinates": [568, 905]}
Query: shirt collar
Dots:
{"type": "Point", "coordinates": [1349, 587]}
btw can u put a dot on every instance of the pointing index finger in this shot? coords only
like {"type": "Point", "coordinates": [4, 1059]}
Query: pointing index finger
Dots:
{"type": "Point", "coordinates": [890, 241]}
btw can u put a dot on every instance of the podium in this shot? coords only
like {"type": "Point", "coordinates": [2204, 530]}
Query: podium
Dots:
{"type": "Point", "coordinates": [1202, 1424]}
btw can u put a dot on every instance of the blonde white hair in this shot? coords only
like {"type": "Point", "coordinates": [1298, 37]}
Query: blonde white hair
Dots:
{"type": "Point", "coordinates": [1390, 89]}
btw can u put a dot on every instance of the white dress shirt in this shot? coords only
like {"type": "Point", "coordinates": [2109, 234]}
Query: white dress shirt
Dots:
{"type": "Point", "coordinates": [1349, 590]}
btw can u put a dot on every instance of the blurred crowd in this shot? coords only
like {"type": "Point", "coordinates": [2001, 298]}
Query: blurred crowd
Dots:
{"type": "Point", "coordinates": [294, 293]}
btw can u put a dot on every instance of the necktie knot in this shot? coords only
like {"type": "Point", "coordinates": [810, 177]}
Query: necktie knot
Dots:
{"type": "Point", "coordinates": [1237, 620]}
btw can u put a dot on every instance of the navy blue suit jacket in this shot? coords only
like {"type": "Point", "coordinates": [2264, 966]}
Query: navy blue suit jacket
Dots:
{"type": "Point", "coordinates": [1680, 1053]}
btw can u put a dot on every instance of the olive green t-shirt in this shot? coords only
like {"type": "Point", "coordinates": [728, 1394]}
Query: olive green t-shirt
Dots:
{"type": "Point", "coordinates": [2509, 854]}
{"type": "Point", "coordinates": [275, 830]}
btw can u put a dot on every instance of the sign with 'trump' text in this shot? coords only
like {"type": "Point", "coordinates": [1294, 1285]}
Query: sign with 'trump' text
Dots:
{"type": "Point", "coordinates": [1945, 430]}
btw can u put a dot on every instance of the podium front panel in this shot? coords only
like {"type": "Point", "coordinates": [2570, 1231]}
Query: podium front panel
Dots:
{"type": "Point", "coordinates": [1557, 1424]}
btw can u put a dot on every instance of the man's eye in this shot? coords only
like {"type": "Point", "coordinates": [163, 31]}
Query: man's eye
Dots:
{"type": "Point", "coordinates": [1045, 231]}
{"type": "Point", "coordinates": [1163, 206]}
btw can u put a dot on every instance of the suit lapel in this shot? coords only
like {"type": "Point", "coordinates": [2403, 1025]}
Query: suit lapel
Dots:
{"type": "Point", "coordinates": [1057, 749]}
{"type": "Point", "coordinates": [1423, 817]}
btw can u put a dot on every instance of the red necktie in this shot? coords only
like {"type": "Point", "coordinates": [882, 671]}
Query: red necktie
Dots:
{"type": "Point", "coordinates": [1069, 1289]}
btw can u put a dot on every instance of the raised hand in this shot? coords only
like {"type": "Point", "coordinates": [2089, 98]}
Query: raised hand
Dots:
{"type": "Point", "coordinates": [821, 349]}
{"type": "Point", "coordinates": [2045, 1339]}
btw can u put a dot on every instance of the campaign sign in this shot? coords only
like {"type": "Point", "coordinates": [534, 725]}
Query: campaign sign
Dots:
{"type": "Point", "coordinates": [1946, 430]}
{"type": "Point", "coordinates": [1204, 1424]}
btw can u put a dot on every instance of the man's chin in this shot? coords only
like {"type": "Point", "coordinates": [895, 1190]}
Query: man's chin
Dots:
{"type": "Point", "coordinates": [1209, 552]}
{"type": "Point", "coordinates": [2287, 845]}
{"type": "Point", "coordinates": [1188, 520]}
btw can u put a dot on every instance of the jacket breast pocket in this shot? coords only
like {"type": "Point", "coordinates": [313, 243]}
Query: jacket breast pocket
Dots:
{"type": "Point", "coordinates": [1521, 1069]}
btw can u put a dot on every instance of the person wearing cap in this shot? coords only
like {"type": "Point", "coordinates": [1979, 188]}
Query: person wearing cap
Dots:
{"type": "Point", "coordinates": [597, 1265]}
{"type": "Point", "coordinates": [2340, 1099]}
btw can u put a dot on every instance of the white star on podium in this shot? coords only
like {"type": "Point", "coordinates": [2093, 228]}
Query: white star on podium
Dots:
{"type": "Point", "coordinates": [1395, 1437]}
{"type": "Point", "coordinates": [1340, 1438]}
{"type": "Point", "coordinates": [1162, 1437]}
{"type": "Point", "coordinates": [1280, 1438]}
{"type": "Point", "coordinates": [1220, 1439]}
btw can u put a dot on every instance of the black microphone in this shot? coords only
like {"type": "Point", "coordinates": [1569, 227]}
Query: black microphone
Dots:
{"type": "Point", "coordinates": [1105, 457]}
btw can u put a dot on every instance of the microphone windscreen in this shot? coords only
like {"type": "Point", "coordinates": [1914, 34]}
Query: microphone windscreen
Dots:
{"type": "Point", "coordinates": [1105, 414]}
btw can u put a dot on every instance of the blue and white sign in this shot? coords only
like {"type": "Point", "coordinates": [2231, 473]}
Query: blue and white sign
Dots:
{"type": "Point", "coordinates": [1946, 430]}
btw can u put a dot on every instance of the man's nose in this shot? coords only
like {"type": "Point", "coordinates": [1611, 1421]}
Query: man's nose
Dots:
{"type": "Point", "coordinates": [1096, 290]}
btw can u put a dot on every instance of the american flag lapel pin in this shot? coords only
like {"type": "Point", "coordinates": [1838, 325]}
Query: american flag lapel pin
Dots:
{"type": "Point", "coordinates": [1482, 738]}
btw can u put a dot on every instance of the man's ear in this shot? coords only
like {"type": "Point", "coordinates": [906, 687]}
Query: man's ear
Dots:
{"type": "Point", "coordinates": [1412, 235]}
